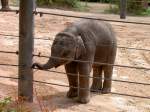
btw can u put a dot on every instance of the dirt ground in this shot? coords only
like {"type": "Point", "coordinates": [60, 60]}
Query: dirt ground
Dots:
{"type": "Point", "coordinates": [53, 97]}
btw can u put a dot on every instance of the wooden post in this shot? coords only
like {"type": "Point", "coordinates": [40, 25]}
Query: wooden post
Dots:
{"type": "Point", "coordinates": [26, 24]}
{"type": "Point", "coordinates": [123, 4]}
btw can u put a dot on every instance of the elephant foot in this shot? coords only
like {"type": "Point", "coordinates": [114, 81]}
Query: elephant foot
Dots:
{"type": "Point", "coordinates": [106, 90]}
{"type": "Point", "coordinates": [84, 96]}
{"type": "Point", "coordinates": [96, 88]}
{"type": "Point", "coordinates": [84, 100]}
{"type": "Point", "coordinates": [72, 93]}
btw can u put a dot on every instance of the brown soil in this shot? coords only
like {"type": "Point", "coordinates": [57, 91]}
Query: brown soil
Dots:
{"type": "Point", "coordinates": [53, 97]}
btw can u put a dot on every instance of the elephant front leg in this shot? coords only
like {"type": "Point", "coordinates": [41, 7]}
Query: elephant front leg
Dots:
{"type": "Point", "coordinates": [108, 79]}
{"type": "Point", "coordinates": [97, 79]}
{"type": "Point", "coordinates": [72, 74]}
{"type": "Point", "coordinates": [84, 90]}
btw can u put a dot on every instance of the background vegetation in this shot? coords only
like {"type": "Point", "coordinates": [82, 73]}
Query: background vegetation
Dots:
{"type": "Point", "coordinates": [60, 3]}
{"type": "Point", "coordinates": [102, 1]}
{"type": "Point", "coordinates": [134, 7]}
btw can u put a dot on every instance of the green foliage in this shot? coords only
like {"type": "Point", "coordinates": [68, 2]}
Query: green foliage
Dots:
{"type": "Point", "coordinates": [134, 7]}
{"type": "Point", "coordinates": [147, 12]}
{"type": "Point", "coordinates": [72, 3]}
{"type": "Point", "coordinates": [4, 103]}
{"type": "Point", "coordinates": [66, 3]}
{"type": "Point", "coordinates": [45, 2]}
{"type": "Point", "coordinates": [102, 1]}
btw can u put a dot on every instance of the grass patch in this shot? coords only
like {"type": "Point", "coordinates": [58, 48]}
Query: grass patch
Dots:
{"type": "Point", "coordinates": [8, 105]}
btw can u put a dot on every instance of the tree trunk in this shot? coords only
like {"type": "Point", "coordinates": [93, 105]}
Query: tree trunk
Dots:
{"type": "Point", "coordinates": [5, 5]}
{"type": "Point", "coordinates": [142, 3]}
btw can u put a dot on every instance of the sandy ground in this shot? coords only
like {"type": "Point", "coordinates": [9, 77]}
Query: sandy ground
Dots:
{"type": "Point", "coordinates": [53, 97]}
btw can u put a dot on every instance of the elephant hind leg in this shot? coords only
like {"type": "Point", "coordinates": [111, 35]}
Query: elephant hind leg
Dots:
{"type": "Point", "coordinates": [108, 70]}
{"type": "Point", "coordinates": [72, 75]}
{"type": "Point", "coordinates": [97, 79]}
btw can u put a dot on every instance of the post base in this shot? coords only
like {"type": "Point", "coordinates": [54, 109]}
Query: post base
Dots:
{"type": "Point", "coordinates": [5, 9]}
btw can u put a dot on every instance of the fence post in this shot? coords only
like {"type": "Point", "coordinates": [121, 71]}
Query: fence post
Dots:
{"type": "Point", "coordinates": [26, 24]}
{"type": "Point", "coordinates": [123, 4]}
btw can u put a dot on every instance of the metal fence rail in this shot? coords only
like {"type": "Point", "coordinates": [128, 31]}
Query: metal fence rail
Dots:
{"type": "Point", "coordinates": [49, 39]}
{"type": "Point", "coordinates": [71, 74]}
{"type": "Point", "coordinates": [62, 85]}
{"type": "Point", "coordinates": [15, 65]}
{"type": "Point", "coordinates": [98, 63]}
{"type": "Point", "coordinates": [41, 13]}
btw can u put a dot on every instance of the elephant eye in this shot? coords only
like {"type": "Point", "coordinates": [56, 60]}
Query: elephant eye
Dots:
{"type": "Point", "coordinates": [55, 42]}
{"type": "Point", "coordinates": [66, 53]}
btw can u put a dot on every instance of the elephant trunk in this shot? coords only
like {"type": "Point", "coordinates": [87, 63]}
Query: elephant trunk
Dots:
{"type": "Point", "coordinates": [50, 64]}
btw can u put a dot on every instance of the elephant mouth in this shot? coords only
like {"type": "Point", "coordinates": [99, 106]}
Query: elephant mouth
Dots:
{"type": "Point", "coordinates": [57, 66]}
{"type": "Point", "coordinates": [63, 63]}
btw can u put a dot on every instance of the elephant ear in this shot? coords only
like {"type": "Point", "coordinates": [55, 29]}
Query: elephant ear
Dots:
{"type": "Point", "coordinates": [80, 49]}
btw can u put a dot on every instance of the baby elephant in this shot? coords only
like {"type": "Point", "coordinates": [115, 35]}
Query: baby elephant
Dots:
{"type": "Point", "coordinates": [84, 45]}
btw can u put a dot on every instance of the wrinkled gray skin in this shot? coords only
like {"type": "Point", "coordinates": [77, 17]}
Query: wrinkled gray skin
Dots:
{"type": "Point", "coordinates": [84, 40]}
